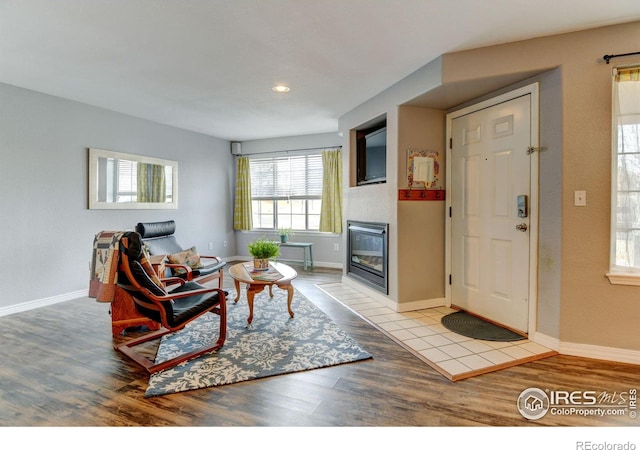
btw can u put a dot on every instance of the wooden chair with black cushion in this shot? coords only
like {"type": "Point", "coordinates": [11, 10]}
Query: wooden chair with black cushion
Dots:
{"type": "Point", "coordinates": [184, 263]}
{"type": "Point", "coordinates": [173, 309]}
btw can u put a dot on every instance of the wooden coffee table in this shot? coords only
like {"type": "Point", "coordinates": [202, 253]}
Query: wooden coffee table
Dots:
{"type": "Point", "coordinates": [240, 274]}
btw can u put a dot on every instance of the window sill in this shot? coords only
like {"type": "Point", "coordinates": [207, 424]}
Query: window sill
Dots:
{"type": "Point", "coordinates": [624, 278]}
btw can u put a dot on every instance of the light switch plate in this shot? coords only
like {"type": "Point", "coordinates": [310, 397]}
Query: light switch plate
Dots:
{"type": "Point", "coordinates": [580, 198]}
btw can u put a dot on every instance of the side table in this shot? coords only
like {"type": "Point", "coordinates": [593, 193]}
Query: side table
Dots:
{"type": "Point", "coordinates": [241, 274]}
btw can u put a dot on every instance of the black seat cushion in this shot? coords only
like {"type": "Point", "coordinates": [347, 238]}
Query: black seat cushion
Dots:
{"type": "Point", "coordinates": [185, 308]}
{"type": "Point", "coordinates": [178, 311]}
{"type": "Point", "coordinates": [165, 245]}
{"type": "Point", "coordinates": [142, 277]}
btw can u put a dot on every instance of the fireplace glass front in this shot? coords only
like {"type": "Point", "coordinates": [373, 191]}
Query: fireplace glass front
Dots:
{"type": "Point", "coordinates": [367, 246]}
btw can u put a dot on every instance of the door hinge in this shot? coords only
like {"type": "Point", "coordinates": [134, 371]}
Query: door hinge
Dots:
{"type": "Point", "coordinates": [449, 211]}
{"type": "Point", "coordinates": [531, 150]}
{"type": "Point", "coordinates": [450, 143]}
{"type": "Point", "coordinates": [449, 279]}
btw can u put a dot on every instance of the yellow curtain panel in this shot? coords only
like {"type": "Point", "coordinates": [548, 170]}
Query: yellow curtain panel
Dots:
{"type": "Point", "coordinates": [242, 214]}
{"type": "Point", "coordinates": [331, 209]}
{"type": "Point", "coordinates": [152, 185]}
{"type": "Point", "coordinates": [627, 74]}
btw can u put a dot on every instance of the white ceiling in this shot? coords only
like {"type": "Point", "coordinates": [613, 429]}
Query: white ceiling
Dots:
{"type": "Point", "coordinates": [209, 65]}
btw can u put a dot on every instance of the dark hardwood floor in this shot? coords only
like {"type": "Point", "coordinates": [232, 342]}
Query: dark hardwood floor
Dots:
{"type": "Point", "coordinates": [59, 368]}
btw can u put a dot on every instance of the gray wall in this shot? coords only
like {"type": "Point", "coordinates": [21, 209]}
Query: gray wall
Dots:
{"type": "Point", "coordinates": [46, 229]}
{"type": "Point", "coordinates": [325, 252]}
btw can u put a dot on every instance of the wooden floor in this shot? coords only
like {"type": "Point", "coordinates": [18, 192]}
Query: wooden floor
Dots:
{"type": "Point", "coordinates": [58, 368]}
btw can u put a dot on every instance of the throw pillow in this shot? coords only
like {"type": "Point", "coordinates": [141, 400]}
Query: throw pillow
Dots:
{"type": "Point", "coordinates": [190, 257]}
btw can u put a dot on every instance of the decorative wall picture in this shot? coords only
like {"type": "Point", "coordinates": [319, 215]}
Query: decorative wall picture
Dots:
{"type": "Point", "coordinates": [423, 169]}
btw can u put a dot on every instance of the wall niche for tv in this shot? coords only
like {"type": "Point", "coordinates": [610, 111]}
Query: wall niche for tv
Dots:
{"type": "Point", "coordinates": [371, 154]}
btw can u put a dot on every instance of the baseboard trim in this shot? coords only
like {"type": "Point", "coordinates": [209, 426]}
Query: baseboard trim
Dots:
{"type": "Point", "coordinates": [544, 340]}
{"type": "Point", "coordinates": [597, 352]}
{"type": "Point", "coordinates": [420, 304]}
{"type": "Point", "coordinates": [620, 355]}
{"type": "Point", "coordinates": [34, 304]}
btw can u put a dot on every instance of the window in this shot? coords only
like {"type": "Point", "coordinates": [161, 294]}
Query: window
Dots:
{"type": "Point", "coordinates": [126, 181]}
{"type": "Point", "coordinates": [286, 192]}
{"type": "Point", "coordinates": [625, 229]}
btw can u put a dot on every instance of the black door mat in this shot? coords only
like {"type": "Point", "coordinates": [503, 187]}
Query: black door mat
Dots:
{"type": "Point", "coordinates": [467, 325]}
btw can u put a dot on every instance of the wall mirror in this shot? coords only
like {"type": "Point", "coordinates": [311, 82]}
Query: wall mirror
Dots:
{"type": "Point", "coordinates": [124, 181]}
{"type": "Point", "coordinates": [422, 168]}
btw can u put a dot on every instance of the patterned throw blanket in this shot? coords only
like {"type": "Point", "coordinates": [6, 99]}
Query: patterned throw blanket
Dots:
{"type": "Point", "coordinates": [104, 265]}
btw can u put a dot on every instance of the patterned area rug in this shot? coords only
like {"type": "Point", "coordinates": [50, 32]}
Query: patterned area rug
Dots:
{"type": "Point", "coordinates": [275, 344]}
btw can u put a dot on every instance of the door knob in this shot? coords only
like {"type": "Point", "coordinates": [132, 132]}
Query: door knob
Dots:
{"type": "Point", "coordinates": [522, 227]}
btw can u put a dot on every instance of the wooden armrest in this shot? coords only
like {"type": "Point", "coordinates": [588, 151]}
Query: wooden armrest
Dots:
{"type": "Point", "coordinates": [217, 258]}
{"type": "Point", "coordinates": [172, 280]}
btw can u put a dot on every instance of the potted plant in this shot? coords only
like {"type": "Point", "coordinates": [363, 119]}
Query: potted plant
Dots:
{"type": "Point", "coordinates": [284, 234]}
{"type": "Point", "coordinates": [262, 251]}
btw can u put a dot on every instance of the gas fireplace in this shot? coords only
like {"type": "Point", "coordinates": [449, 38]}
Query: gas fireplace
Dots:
{"type": "Point", "coordinates": [367, 258]}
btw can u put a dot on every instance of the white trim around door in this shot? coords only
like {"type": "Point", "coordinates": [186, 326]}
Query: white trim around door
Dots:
{"type": "Point", "coordinates": [533, 91]}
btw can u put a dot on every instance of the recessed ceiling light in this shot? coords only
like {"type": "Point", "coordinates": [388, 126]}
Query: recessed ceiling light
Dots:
{"type": "Point", "coordinates": [280, 88]}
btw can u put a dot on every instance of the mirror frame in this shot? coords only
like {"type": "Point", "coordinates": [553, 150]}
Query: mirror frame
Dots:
{"type": "Point", "coordinates": [95, 153]}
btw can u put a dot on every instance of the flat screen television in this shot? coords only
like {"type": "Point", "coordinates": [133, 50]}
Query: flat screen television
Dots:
{"type": "Point", "coordinates": [372, 155]}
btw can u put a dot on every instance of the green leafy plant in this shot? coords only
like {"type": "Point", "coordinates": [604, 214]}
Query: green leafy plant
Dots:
{"type": "Point", "coordinates": [264, 249]}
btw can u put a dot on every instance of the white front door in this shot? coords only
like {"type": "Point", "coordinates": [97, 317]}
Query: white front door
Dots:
{"type": "Point", "coordinates": [490, 237]}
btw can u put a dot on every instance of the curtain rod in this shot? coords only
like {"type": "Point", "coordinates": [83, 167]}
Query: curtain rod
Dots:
{"type": "Point", "coordinates": [292, 151]}
{"type": "Point", "coordinates": [608, 57]}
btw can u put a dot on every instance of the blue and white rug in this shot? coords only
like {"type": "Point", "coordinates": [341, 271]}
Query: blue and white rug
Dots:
{"type": "Point", "coordinates": [275, 344]}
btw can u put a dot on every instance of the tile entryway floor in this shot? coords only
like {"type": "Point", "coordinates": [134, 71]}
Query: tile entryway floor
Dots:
{"type": "Point", "coordinates": [455, 356]}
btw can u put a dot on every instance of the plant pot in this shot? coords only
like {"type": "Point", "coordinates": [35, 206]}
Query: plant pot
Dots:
{"type": "Point", "coordinates": [261, 264]}
{"type": "Point", "coordinates": [284, 238]}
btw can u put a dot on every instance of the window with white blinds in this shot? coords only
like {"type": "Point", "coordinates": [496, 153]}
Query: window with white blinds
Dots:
{"type": "Point", "coordinates": [286, 192]}
{"type": "Point", "coordinates": [127, 181]}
